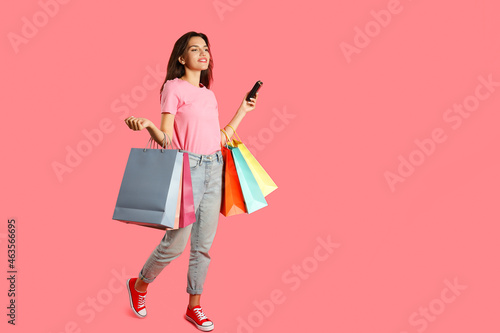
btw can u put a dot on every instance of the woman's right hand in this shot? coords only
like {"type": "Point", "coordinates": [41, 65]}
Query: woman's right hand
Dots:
{"type": "Point", "coordinates": [137, 124]}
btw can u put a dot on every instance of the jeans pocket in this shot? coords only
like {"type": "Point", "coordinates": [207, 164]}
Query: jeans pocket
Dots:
{"type": "Point", "coordinates": [194, 162]}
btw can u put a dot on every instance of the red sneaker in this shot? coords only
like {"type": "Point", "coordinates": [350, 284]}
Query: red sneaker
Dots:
{"type": "Point", "coordinates": [137, 299]}
{"type": "Point", "coordinates": [199, 319]}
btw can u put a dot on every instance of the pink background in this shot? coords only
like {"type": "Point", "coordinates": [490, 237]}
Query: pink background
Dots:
{"type": "Point", "coordinates": [350, 119]}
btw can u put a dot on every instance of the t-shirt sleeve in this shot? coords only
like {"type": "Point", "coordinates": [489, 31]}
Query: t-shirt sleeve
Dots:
{"type": "Point", "coordinates": [169, 99]}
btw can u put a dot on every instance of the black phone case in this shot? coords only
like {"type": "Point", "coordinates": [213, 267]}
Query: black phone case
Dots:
{"type": "Point", "coordinates": [254, 90]}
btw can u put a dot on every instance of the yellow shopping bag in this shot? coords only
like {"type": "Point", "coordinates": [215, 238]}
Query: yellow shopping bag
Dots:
{"type": "Point", "coordinates": [266, 184]}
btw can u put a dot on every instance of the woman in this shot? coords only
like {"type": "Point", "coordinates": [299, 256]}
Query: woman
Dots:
{"type": "Point", "coordinates": [189, 116]}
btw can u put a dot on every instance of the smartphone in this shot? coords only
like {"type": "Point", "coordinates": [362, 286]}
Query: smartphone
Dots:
{"type": "Point", "coordinates": [254, 90]}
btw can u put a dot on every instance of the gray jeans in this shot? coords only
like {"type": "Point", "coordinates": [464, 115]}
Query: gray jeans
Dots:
{"type": "Point", "coordinates": [206, 176]}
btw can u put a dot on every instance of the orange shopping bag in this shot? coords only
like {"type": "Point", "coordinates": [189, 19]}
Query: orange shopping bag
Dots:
{"type": "Point", "coordinates": [232, 196]}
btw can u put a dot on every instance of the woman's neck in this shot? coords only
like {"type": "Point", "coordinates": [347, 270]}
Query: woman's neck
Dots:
{"type": "Point", "coordinates": [192, 77]}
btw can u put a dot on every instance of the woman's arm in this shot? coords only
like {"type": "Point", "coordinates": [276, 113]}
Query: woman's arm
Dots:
{"type": "Point", "coordinates": [166, 126]}
{"type": "Point", "coordinates": [244, 108]}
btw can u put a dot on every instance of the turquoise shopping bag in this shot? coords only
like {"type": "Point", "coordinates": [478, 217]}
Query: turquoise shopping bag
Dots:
{"type": "Point", "coordinates": [254, 198]}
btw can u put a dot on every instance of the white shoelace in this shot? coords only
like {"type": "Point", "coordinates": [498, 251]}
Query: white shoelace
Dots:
{"type": "Point", "coordinates": [141, 302]}
{"type": "Point", "coordinates": [200, 314]}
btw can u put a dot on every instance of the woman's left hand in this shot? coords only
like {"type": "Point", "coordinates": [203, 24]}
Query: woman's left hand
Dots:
{"type": "Point", "coordinates": [247, 106]}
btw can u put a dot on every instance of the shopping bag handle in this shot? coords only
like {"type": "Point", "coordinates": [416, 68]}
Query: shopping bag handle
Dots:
{"type": "Point", "coordinates": [150, 143]}
{"type": "Point", "coordinates": [227, 138]}
{"type": "Point", "coordinates": [237, 136]}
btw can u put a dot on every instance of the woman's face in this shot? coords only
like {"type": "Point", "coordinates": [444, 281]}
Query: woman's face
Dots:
{"type": "Point", "coordinates": [196, 56]}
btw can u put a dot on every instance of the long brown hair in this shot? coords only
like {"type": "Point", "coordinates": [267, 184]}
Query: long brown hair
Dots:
{"type": "Point", "coordinates": [176, 70]}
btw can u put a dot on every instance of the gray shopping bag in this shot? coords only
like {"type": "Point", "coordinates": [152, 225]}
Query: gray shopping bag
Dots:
{"type": "Point", "coordinates": [150, 188]}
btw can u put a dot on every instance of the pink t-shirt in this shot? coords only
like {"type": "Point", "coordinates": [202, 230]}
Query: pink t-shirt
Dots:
{"type": "Point", "coordinates": [196, 124]}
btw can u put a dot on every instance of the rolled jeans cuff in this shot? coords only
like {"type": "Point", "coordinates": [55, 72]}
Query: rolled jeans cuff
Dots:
{"type": "Point", "coordinates": [143, 278]}
{"type": "Point", "coordinates": [194, 291]}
